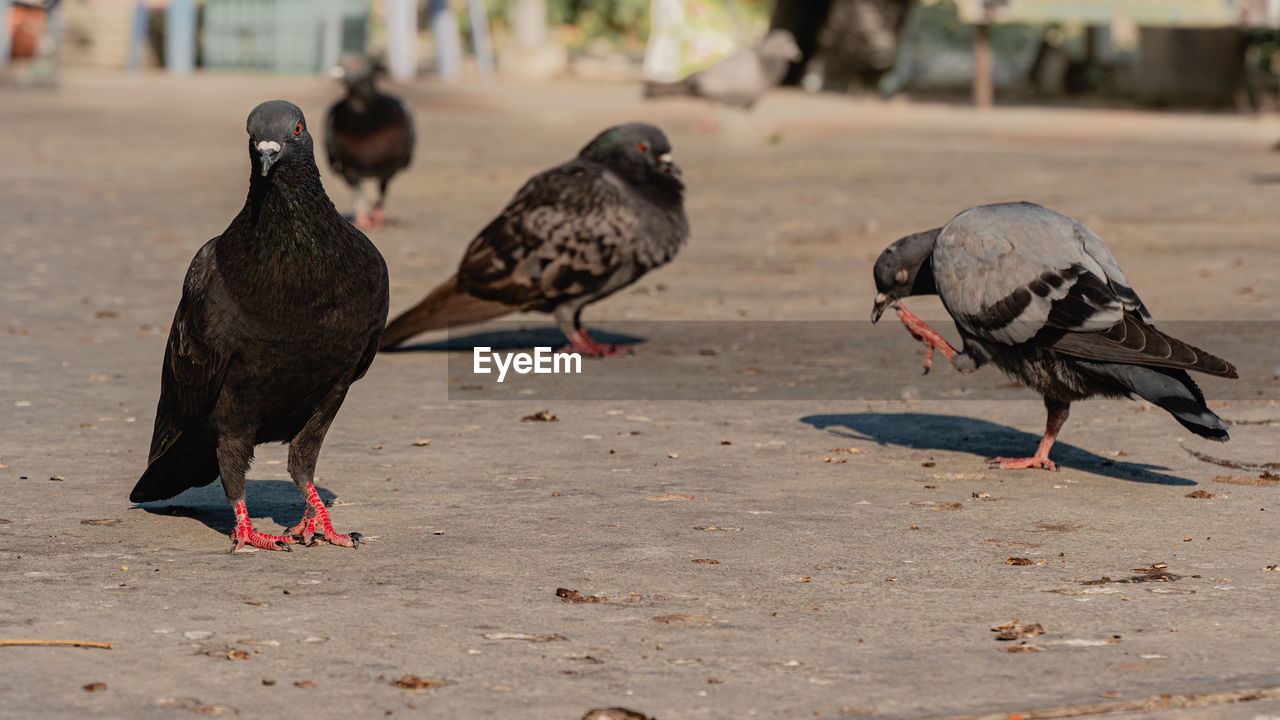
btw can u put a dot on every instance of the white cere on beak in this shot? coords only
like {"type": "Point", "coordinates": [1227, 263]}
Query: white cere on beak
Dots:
{"type": "Point", "coordinates": [881, 298]}
{"type": "Point", "coordinates": [266, 145]}
{"type": "Point", "coordinates": [664, 157]}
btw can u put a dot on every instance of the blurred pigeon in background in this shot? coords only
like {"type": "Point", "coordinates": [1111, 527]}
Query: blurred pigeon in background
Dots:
{"type": "Point", "coordinates": [368, 136]}
{"type": "Point", "coordinates": [571, 236]}
{"type": "Point", "coordinates": [279, 315]}
{"type": "Point", "coordinates": [739, 79]}
{"type": "Point", "coordinates": [1038, 295]}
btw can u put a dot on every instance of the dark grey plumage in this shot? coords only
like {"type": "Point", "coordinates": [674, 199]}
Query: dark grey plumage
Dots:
{"type": "Point", "coordinates": [1038, 295]}
{"type": "Point", "coordinates": [279, 315]}
{"type": "Point", "coordinates": [739, 79]}
{"type": "Point", "coordinates": [571, 236]}
{"type": "Point", "coordinates": [369, 135]}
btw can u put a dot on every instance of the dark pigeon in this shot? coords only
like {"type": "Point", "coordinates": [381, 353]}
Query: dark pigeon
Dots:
{"type": "Point", "coordinates": [571, 236]}
{"type": "Point", "coordinates": [739, 79]}
{"type": "Point", "coordinates": [279, 315]}
{"type": "Point", "coordinates": [1038, 295]}
{"type": "Point", "coordinates": [368, 136]}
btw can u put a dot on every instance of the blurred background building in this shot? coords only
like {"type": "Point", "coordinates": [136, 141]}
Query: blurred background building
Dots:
{"type": "Point", "coordinates": [1204, 53]}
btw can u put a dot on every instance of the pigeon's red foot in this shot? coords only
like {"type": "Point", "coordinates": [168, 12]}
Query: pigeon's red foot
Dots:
{"type": "Point", "coordinates": [317, 517]}
{"type": "Point", "coordinates": [244, 534]}
{"type": "Point", "coordinates": [365, 221]}
{"type": "Point", "coordinates": [581, 342]}
{"type": "Point", "coordinates": [925, 334]}
{"type": "Point", "coordinates": [1004, 463]}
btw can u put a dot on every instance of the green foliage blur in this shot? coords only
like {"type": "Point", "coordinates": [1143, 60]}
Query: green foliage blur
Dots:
{"type": "Point", "coordinates": [617, 21]}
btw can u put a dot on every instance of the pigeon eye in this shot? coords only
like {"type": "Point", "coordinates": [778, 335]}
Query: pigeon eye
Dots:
{"type": "Point", "coordinates": [643, 147]}
{"type": "Point", "coordinates": [297, 129]}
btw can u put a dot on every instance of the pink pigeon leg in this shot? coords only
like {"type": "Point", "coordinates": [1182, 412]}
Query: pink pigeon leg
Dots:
{"type": "Point", "coordinates": [581, 342]}
{"type": "Point", "coordinates": [1057, 416]}
{"type": "Point", "coordinates": [925, 334]}
{"type": "Point", "coordinates": [244, 534]}
{"type": "Point", "coordinates": [316, 517]}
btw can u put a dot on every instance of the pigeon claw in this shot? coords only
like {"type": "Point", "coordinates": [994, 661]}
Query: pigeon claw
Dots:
{"type": "Point", "coordinates": [253, 538]}
{"type": "Point", "coordinates": [1004, 463]}
{"type": "Point", "coordinates": [581, 342]}
{"type": "Point", "coordinates": [925, 334]}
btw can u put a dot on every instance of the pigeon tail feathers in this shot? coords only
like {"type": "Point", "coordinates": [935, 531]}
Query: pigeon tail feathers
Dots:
{"type": "Point", "coordinates": [443, 307]}
{"type": "Point", "coordinates": [1171, 389]}
{"type": "Point", "coordinates": [185, 464]}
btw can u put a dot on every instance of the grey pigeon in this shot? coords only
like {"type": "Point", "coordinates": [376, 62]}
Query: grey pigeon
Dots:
{"type": "Point", "coordinates": [368, 136]}
{"type": "Point", "coordinates": [1038, 295]}
{"type": "Point", "coordinates": [279, 315]}
{"type": "Point", "coordinates": [739, 79]}
{"type": "Point", "coordinates": [571, 236]}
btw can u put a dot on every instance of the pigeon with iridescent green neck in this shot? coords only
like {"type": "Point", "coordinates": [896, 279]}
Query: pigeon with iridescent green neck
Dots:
{"type": "Point", "coordinates": [279, 315]}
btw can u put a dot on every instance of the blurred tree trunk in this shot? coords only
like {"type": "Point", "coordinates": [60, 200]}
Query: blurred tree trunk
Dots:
{"type": "Point", "coordinates": [855, 41]}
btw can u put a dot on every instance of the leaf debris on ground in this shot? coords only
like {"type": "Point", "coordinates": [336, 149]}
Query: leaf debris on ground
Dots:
{"type": "Point", "coordinates": [413, 682]}
{"type": "Point", "coordinates": [528, 637]}
{"type": "Point", "coordinates": [540, 416]}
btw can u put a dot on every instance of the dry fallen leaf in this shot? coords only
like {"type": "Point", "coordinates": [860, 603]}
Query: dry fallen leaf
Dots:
{"type": "Point", "coordinates": [847, 451]}
{"type": "Point", "coordinates": [836, 461]}
{"type": "Point", "coordinates": [1019, 632]}
{"type": "Point", "coordinates": [94, 687]}
{"type": "Point", "coordinates": [107, 521]}
{"type": "Point", "coordinates": [674, 456]}
{"type": "Point", "coordinates": [1005, 626]}
{"type": "Point", "coordinates": [237, 655]}
{"type": "Point", "coordinates": [1201, 495]}
{"type": "Point", "coordinates": [304, 684]}
{"type": "Point", "coordinates": [421, 443]}
{"type": "Point", "coordinates": [669, 497]}
{"type": "Point", "coordinates": [1186, 539]}
{"type": "Point", "coordinates": [725, 442]}
{"type": "Point", "coordinates": [413, 682]}
{"type": "Point", "coordinates": [540, 416]}
{"type": "Point", "coordinates": [952, 506]}
{"type": "Point", "coordinates": [1019, 561]}
{"type": "Point", "coordinates": [573, 596]}
{"type": "Point", "coordinates": [704, 561]}
{"type": "Point", "coordinates": [806, 578]}
{"type": "Point", "coordinates": [1109, 694]}
{"type": "Point", "coordinates": [1024, 648]}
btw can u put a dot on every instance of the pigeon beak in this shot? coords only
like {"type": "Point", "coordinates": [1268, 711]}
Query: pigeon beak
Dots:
{"type": "Point", "coordinates": [667, 164]}
{"type": "Point", "coordinates": [268, 152]}
{"type": "Point", "coordinates": [882, 301]}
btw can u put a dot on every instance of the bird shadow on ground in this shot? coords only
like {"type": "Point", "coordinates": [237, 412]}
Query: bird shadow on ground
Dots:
{"type": "Point", "coordinates": [982, 438]}
{"type": "Point", "coordinates": [522, 339]}
{"type": "Point", "coordinates": [278, 500]}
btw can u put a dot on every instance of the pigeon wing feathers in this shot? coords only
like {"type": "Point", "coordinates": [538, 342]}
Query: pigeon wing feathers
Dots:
{"type": "Point", "coordinates": [1020, 273]}
{"type": "Point", "coordinates": [564, 235]}
{"type": "Point", "coordinates": [193, 370]}
{"type": "Point", "coordinates": [1005, 272]}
